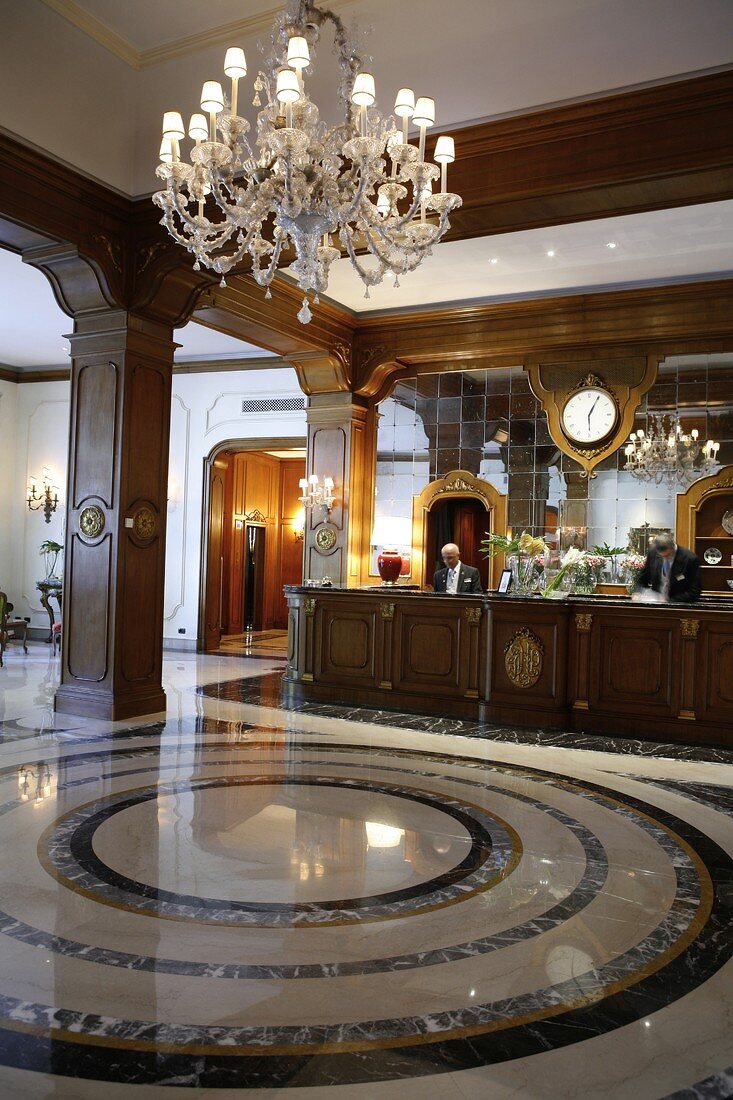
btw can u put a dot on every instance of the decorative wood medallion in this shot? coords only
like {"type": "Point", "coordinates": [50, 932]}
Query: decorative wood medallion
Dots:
{"type": "Point", "coordinates": [524, 658]}
{"type": "Point", "coordinates": [325, 538]}
{"type": "Point", "coordinates": [309, 606]}
{"type": "Point", "coordinates": [583, 623]}
{"type": "Point", "coordinates": [690, 627]}
{"type": "Point", "coordinates": [473, 614]}
{"type": "Point", "coordinates": [91, 521]}
{"type": "Point", "coordinates": [387, 611]}
{"type": "Point", "coordinates": [144, 524]}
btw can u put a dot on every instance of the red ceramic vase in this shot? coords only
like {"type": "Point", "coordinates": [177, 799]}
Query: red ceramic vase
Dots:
{"type": "Point", "coordinates": [389, 564]}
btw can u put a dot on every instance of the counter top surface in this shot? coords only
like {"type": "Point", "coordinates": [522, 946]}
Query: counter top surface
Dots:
{"type": "Point", "coordinates": [705, 603]}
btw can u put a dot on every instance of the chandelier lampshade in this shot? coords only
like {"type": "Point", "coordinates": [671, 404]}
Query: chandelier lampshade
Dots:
{"type": "Point", "coordinates": [298, 185]}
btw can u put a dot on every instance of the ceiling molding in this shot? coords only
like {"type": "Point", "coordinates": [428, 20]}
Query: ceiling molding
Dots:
{"type": "Point", "coordinates": [94, 28]}
{"type": "Point", "coordinates": [179, 47]}
{"type": "Point", "coordinates": [255, 362]}
{"type": "Point", "coordinates": [15, 374]}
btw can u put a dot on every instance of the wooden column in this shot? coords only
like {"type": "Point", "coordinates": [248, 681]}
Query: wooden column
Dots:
{"type": "Point", "coordinates": [340, 445]}
{"type": "Point", "coordinates": [116, 516]}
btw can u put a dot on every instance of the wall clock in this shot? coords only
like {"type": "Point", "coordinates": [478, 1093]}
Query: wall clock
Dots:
{"type": "Point", "coordinates": [589, 415]}
{"type": "Point", "coordinates": [590, 402]}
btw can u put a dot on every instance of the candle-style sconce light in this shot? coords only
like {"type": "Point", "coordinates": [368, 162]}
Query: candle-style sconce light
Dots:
{"type": "Point", "coordinates": [46, 496]}
{"type": "Point", "coordinates": [316, 495]}
{"type": "Point", "coordinates": [299, 525]}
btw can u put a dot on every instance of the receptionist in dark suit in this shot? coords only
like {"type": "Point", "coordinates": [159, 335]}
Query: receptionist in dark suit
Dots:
{"type": "Point", "coordinates": [671, 570]}
{"type": "Point", "coordinates": [456, 579]}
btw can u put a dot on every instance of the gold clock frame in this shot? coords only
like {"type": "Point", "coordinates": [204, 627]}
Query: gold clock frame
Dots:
{"type": "Point", "coordinates": [626, 378]}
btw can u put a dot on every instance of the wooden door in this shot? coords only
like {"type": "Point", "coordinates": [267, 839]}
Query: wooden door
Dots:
{"type": "Point", "coordinates": [214, 557]}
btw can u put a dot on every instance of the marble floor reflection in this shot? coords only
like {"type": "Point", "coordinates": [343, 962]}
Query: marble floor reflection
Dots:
{"type": "Point", "coordinates": [246, 900]}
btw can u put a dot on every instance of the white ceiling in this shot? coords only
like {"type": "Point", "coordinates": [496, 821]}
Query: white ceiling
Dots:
{"type": "Point", "coordinates": [654, 247]}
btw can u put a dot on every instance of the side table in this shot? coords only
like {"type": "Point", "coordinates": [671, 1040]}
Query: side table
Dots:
{"type": "Point", "coordinates": [50, 590]}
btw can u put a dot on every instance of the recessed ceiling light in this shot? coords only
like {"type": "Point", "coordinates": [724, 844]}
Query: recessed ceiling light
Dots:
{"type": "Point", "coordinates": [551, 252]}
{"type": "Point", "coordinates": [611, 244]}
{"type": "Point", "coordinates": [493, 260]}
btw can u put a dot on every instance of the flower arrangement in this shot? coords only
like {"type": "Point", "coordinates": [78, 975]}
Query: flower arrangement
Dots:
{"type": "Point", "coordinates": [50, 551]}
{"type": "Point", "coordinates": [526, 557]}
{"type": "Point", "coordinates": [632, 566]}
{"type": "Point", "coordinates": [597, 563]}
{"type": "Point", "coordinates": [611, 554]}
{"type": "Point", "coordinates": [570, 560]}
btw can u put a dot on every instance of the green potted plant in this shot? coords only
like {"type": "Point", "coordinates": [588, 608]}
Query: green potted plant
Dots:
{"type": "Point", "coordinates": [50, 551]}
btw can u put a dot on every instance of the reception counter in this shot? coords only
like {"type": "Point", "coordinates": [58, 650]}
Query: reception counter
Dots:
{"type": "Point", "coordinates": [595, 664]}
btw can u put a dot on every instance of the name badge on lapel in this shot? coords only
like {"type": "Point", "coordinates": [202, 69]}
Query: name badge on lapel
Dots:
{"type": "Point", "coordinates": [680, 577]}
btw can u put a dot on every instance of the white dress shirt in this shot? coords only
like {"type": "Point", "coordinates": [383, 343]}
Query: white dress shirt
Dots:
{"type": "Point", "coordinates": [451, 581]}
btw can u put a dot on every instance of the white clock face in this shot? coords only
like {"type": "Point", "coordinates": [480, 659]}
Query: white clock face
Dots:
{"type": "Point", "coordinates": [589, 415]}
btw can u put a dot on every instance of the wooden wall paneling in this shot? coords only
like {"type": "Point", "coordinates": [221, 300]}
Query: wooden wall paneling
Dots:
{"type": "Point", "coordinates": [212, 591]}
{"type": "Point", "coordinates": [336, 448]}
{"type": "Point", "coordinates": [290, 549]}
{"type": "Point", "coordinates": [715, 674]}
{"type": "Point", "coordinates": [632, 662]}
{"type": "Point", "coordinates": [580, 659]}
{"type": "Point", "coordinates": [346, 641]}
{"type": "Point", "coordinates": [428, 648]}
{"type": "Point", "coordinates": [230, 621]}
{"type": "Point", "coordinates": [528, 663]}
{"type": "Point", "coordinates": [644, 321]}
{"type": "Point", "coordinates": [385, 642]}
{"type": "Point", "coordinates": [689, 629]}
{"type": "Point", "coordinates": [116, 516]}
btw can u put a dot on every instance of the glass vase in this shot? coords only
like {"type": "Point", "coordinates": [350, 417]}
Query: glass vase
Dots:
{"type": "Point", "coordinates": [525, 576]}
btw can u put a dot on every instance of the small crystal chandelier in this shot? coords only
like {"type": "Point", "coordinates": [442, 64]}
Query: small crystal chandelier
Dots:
{"type": "Point", "coordinates": [299, 181]}
{"type": "Point", "coordinates": [666, 453]}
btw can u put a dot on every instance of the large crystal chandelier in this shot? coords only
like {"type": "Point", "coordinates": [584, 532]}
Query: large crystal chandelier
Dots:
{"type": "Point", "coordinates": [665, 453]}
{"type": "Point", "coordinates": [300, 181]}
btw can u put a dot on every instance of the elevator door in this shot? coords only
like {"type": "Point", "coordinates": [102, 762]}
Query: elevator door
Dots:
{"type": "Point", "coordinates": [254, 575]}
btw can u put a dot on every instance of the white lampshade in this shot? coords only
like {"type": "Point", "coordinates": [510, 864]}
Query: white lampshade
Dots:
{"type": "Point", "coordinates": [391, 531]}
{"type": "Point", "coordinates": [298, 53]}
{"type": "Point", "coordinates": [166, 151]}
{"type": "Point", "coordinates": [287, 86]}
{"type": "Point", "coordinates": [235, 63]}
{"type": "Point", "coordinates": [445, 150]}
{"type": "Point", "coordinates": [424, 112]}
{"type": "Point", "coordinates": [383, 204]}
{"type": "Point", "coordinates": [198, 127]}
{"type": "Point", "coordinates": [364, 92]}
{"type": "Point", "coordinates": [212, 97]}
{"type": "Point", "coordinates": [173, 126]}
{"type": "Point", "coordinates": [404, 104]}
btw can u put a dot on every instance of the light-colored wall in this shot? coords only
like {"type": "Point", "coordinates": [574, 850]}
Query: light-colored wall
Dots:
{"type": "Point", "coordinates": [206, 410]}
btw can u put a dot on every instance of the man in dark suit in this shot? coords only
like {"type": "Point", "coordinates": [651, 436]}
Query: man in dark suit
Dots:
{"type": "Point", "coordinates": [456, 579]}
{"type": "Point", "coordinates": [671, 570]}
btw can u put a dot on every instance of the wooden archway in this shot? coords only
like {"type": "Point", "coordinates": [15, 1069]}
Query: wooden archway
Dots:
{"type": "Point", "coordinates": [698, 518]}
{"type": "Point", "coordinates": [456, 485]}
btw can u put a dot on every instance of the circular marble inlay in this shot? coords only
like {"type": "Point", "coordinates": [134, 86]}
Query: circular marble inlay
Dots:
{"type": "Point", "coordinates": [458, 850]}
{"type": "Point", "coordinates": [606, 908]}
{"type": "Point", "coordinates": [284, 844]}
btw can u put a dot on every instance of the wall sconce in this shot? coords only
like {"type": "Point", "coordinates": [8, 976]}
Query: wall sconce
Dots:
{"type": "Point", "coordinates": [299, 525]}
{"type": "Point", "coordinates": [42, 788]}
{"type": "Point", "coordinates": [315, 495]}
{"type": "Point", "coordinates": [48, 498]}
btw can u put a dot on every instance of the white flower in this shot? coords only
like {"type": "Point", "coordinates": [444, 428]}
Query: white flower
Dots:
{"type": "Point", "coordinates": [572, 556]}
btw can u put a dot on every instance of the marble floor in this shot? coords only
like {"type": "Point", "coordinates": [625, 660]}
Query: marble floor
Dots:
{"type": "Point", "coordinates": [322, 902]}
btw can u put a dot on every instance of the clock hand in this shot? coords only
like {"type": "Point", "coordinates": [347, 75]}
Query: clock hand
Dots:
{"type": "Point", "coordinates": [590, 414]}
